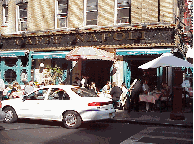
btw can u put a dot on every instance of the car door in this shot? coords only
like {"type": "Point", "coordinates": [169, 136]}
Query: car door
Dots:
{"type": "Point", "coordinates": [58, 101]}
{"type": "Point", "coordinates": [31, 106]}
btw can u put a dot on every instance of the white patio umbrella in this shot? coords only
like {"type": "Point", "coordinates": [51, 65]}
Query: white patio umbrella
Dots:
{"type": "Point", "coordinates": [166, 60]}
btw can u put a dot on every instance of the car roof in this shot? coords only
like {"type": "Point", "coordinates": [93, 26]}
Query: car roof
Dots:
{"type": "Point", "coordinates": [59, 86]}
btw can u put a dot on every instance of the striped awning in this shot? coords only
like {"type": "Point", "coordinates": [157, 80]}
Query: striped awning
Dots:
{"type": "Point", "coordinates": [89, 53]}
{"type": "Point", "coordinates": [49, 55]}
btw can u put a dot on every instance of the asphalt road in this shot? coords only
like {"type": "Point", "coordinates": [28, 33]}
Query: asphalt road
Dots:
{"type": "Point", "coordinates": [49, 132]}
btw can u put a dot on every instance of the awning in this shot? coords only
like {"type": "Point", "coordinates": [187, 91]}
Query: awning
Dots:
{"type": "Point", "coordinates": [13, 53]}
{"type": "Point", "coordinates": [141, 51]}
{"type": "Point", "coordinates": [89, 53]}
{"type": "Point", "coordinates": [49, 55]}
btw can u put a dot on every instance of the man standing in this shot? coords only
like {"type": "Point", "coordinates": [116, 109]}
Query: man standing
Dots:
{"type": "Point", "coordinates": [2, 87]}
{"type": "Point", "coordinates": [115, 93]}
{"type": "Point", "coordinates": [137, 89]}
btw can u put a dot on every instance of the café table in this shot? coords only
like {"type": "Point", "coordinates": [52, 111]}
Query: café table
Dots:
{"type": "Point", "coordinates": [149, 98]}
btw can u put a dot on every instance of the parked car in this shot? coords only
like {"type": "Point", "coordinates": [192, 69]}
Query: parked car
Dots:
{"type": "Point", "coordinates": [67, 103]}
{"type": "Point", "coordinates": [2, 113]}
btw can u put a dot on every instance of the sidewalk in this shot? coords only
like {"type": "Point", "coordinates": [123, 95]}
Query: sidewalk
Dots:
{"type": "Point", "coordinates": [152, 118]}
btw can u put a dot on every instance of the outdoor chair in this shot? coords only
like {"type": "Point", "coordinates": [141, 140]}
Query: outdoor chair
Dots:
{"type": "Point", "coordinates": [165, 101]}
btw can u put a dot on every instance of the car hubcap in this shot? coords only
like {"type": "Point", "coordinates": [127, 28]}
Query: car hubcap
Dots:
{"type": "Point", "coordinates": [70, 120]}
{"type": "Point", "coordinates": [8, 115]}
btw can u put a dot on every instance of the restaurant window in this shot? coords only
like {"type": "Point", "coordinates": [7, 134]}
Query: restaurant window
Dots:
{"type": "Point", "coordinates": [21, 20]}
{"type": "Point", "coordinates": [10, 75]}
{"type": "Point", "coordinates": [91, 12]}
{"type": "Point", "coordinates": [61, 12]}
{"type": "Point", "coordinates": [123, 12]}
{"type": "Point", "coordinates": [5, 14]}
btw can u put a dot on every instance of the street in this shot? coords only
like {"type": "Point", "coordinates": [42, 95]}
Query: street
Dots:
{"type": "Point", "coordinates": [104, 132]}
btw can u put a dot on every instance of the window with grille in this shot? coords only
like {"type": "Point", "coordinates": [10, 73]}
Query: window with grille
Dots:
{"type": "Point", "coordinates": [22, 16]}
{"type": "Point", "coordinates": [5, 14]}
{"type": "Point", "coordinates": [123, 11]}
{"type": "Point", "coordinates": [61, 13]}
{"type": "Point", "coordinates": [91, 12]}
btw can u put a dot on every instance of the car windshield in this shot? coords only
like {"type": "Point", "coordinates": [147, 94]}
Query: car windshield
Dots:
{"type": "Point", "coordinates": [83, 92]}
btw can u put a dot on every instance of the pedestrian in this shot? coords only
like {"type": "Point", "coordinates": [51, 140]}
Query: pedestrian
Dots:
{"type": "Point", "coordinates": [2, 87]}
{"type": "Point", "coordinates": [123, 98]}
{"type": "Point", "coordinates": [115, 93]}
{"type": "Point", "coordinates": [136, 90]}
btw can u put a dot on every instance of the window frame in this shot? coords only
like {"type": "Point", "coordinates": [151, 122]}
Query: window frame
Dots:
{"type": "Point", "coordinates": [56, 15]}
{"type": "Point", "coordinates": [116, 13]}
{"type": "Point", "coordinates": [85, 14]}
{"type": "Point", "coordinates": [5, 21]}
{"type": "Point", "coordinates": [18, 17]}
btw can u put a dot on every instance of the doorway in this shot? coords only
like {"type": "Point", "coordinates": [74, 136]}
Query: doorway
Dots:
{"type": "Point", "coordinates": [98, 71]}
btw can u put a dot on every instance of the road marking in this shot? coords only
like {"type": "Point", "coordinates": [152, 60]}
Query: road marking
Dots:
{"type": "Point", "coordinates": [145, 133]}
{"type": "Point", "coordinates": [139, 135]}
{"type": "Point", "coordinates": [163, 137]}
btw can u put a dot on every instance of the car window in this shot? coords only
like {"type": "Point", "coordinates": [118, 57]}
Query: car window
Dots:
{"type": "Point", "coordinates": [58, 94]}
{"type": "Point", "coordinates": [83, 92]}
{"type": "Point", "coordinates": [38, 95]}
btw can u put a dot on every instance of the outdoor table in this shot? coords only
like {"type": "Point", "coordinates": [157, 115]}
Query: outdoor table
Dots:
{"type": "Point", "coordinates": [149, 98]}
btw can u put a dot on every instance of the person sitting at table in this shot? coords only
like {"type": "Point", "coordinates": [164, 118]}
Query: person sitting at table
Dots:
{"type": "Point", "coordinates": [92, 87]}
{"type": "Point", "coordinates": [164, 97]}
{"type": "Point", "coordinates": [145, 87]}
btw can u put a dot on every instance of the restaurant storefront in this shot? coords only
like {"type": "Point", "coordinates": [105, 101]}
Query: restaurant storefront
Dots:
{"type": "Point", "coordinates": [130, 45]}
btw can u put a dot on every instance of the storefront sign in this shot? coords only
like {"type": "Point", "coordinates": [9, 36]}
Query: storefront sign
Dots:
{"type": "Point", "coordinates": [111, 39]}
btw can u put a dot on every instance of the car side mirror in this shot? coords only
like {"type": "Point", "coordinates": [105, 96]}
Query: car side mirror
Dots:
{"type": "Point", "coordinates": [24, 98]}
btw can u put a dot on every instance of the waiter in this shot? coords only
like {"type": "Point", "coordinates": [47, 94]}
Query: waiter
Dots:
{"type": "Point", "coordinates": [136, 90]}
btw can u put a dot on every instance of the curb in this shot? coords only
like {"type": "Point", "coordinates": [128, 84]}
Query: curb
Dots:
{"type": "Point", "coordinates": [149, 123]}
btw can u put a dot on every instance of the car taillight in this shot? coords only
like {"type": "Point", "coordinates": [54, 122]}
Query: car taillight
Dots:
{"type": "Point", "coordinates": [0, 104]}
{"type": "Point", "coordinates": [98, 103]}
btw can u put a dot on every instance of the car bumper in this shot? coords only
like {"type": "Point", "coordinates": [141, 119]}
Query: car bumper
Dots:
{"type": "Point", "coordinates": [92, 115]}
{"type": "Point", "coordinates": [2, 115]}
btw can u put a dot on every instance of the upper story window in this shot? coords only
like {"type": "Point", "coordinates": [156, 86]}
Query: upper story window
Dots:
{"type": "Point", "coordinates": [61, 11]}
{"type": "Point", "coordinates": [123, 11]}
{"type": "Point", "coordinates": [21, 17]}
{"type": "Point", "coordinates": [91, 12]}
{"type": "Point", "coordinates": [5, 14]}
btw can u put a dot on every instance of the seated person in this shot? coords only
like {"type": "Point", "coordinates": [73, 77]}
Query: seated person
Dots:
{"type": "Point", "coordinates": [145, 87]}
{"type": "Point", "coordinates": [165, 92]}
{"type": "Point", "coordinates": [92, 87]}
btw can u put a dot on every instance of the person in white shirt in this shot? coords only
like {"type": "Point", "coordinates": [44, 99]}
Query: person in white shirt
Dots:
{"type": "Point", "coordinates": [123, 96]}
{"type": "Point", "coordinates": [106, 90]}
{"type": "Point", "coordinates": [83, 81]}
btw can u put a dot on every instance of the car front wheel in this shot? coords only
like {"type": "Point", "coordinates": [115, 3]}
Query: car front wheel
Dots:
{"type": "Point", "coordinates": [10, 115]}
{"type": "Point", "coordinates": [71, 120]}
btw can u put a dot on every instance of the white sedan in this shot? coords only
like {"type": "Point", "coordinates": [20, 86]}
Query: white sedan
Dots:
{"type": "Point", "coordinates": [66, 103]}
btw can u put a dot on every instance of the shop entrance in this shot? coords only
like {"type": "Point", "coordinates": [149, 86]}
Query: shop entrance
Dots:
{"type": "Point", "coordinates": [98, 71]}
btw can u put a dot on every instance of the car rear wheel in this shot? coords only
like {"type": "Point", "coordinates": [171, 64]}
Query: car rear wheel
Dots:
{"type": "Point", "coordinates": [71, 120]}
{"type": "Point", "coordinates": [10, 115]}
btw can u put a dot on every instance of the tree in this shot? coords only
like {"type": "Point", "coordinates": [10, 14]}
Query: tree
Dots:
{"type": "Point", "coordinates": [56, 73]}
